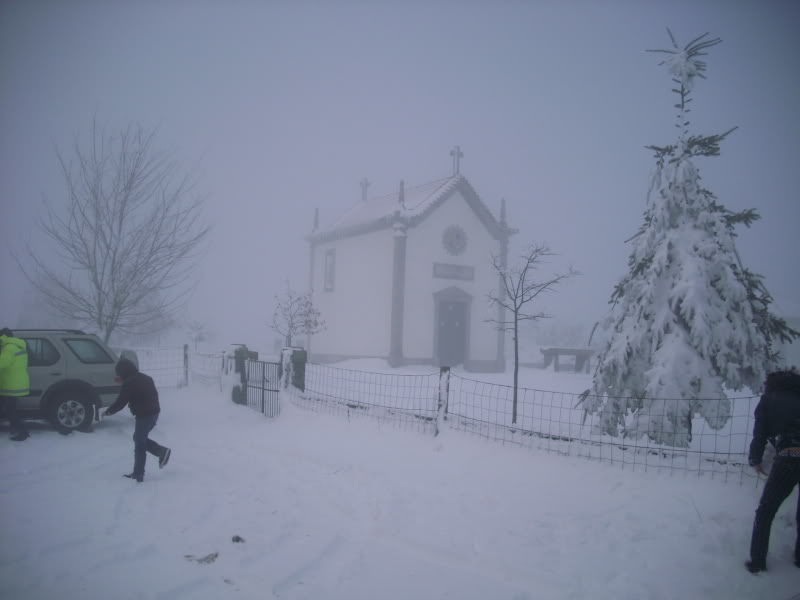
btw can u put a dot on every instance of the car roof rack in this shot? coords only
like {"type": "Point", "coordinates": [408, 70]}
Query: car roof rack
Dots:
{"type": "Point", "coordinates": [73, 331]}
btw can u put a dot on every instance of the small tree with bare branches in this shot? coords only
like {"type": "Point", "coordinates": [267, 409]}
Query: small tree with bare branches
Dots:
{"type": "Point", "coordinates": [126, 237]}
{"type": "Point", "coordinates": [197, 330]}
{"type": "Point", "coordinates": [295, 314]}
{"type": "Point", "coordinates": [517, 289]}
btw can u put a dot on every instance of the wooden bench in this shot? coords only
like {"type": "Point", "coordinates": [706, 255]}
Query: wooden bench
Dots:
{"type": "Point", "coordinates": [582, 356]}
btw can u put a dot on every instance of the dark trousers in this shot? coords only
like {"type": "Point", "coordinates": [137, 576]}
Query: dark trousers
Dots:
{"type": "Point", "coordinates": [143, 444]}
{"type": "Point", "coordinates": [9, 404]}
{"type": "Point", "coordinates": [785, 474]}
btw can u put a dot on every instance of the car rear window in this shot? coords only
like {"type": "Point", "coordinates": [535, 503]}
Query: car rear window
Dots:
{"type": "Point", "coordinates": [41, 352]}
{"type": "Point", "coordinates": [89, 352]}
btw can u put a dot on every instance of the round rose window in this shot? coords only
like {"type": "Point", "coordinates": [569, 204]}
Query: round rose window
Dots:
{"type": "Point", "coordinates": [454, 240]}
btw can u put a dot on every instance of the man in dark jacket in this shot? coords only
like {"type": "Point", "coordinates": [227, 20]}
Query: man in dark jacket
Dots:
{"type": "Point", "coordinates": [777, 416]}
{"type": "Point", "coordinates": [140, 394]}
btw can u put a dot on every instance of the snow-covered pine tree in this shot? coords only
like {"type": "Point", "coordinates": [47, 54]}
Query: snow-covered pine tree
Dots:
{"type": "Point", "coordinates": [688, 321]}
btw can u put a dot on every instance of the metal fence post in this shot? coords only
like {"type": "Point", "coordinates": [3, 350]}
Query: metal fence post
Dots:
{"type": "Point", "coordinates": [263, 388]}
{"type": "Point", "coordinates": [444, 393]}
{"type": "Point", "coordinates": [186, 364]}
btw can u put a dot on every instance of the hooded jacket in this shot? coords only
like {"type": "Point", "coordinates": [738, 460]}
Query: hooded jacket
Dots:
{"type": "Point", "coordinates": [138, 391]}
{"type": "Point", "coordinates": [777, 415]}
{"type": "Point", "coordinates": [14, 380]}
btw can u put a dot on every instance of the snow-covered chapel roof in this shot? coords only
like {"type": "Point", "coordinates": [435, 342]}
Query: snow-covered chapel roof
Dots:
{"type": "Point", "coordinates": [383, 212]}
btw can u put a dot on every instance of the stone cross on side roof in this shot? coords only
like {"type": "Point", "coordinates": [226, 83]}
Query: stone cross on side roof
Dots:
{"type": "Point", "coordinates": [364, 183]}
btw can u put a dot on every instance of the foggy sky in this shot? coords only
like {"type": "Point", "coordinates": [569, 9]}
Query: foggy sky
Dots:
{"type": "Point", "coordinates": [280, 108]}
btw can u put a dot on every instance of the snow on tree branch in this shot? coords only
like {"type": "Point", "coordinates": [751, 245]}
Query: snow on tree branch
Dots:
{"type": "Point", "coordinates": [684, 63]}
{"type": "Point", "coordinates": [688, 321]}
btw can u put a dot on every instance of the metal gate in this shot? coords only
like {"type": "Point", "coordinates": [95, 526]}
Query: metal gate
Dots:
{"type": "Point", "coordinates": [263, 382]}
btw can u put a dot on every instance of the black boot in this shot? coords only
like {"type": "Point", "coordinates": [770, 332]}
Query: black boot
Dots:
{"type": "Point", "coordinates": [163, 458]}
{"type": "Point", "coordinates": [21, 436]}
{"type": "Point", "coordinates": [138, 478]}
{"type": "Point", "coordinates": [755, 567]}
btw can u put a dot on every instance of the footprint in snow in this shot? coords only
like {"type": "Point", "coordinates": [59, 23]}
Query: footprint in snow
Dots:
{"type": "Point", "coordinates": [203, 560]}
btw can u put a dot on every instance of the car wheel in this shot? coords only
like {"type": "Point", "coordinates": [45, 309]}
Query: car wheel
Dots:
{"type": "Point", "coordinates": [70, 412]}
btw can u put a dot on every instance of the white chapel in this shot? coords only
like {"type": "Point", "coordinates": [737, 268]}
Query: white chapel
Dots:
{"type": "Point", "coordinates": [406, 277]}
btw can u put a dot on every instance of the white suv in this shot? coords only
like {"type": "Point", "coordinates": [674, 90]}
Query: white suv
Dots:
{"type": "Point", "coordinates": [72, 377]}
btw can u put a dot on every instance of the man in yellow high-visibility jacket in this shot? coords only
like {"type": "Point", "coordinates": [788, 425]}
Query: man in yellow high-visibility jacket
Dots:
{"type": "Point", "coordinates": [14, 380]}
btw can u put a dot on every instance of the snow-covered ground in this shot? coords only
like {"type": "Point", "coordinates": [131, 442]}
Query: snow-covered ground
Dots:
{"type": "Point", "coordinates": [359, 510]}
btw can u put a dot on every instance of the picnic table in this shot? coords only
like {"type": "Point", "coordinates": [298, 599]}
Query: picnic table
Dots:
{"type": "Point", "coordinates": [582, 356]}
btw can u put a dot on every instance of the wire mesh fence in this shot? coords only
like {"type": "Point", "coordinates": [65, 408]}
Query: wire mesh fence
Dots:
{"type": "Point", "coordinates": [545, 420]}
{"type": "Point", "coordinates": [405, 401]}
{"type": "Point", "coordinates": [555, 422]}
{"type": "Point", "coordinates": [206, 368]}
{"type": "Point", "coordinates": [167, 366]}
{"type": "Point", "coordinates": [177, 366]}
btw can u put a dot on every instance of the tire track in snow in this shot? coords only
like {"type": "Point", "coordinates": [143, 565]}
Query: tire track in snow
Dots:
{"type": "Point", "coordinates": [87, 455]}
{"type": "Point", "coordinates": [297, 578]}
{"type": "Point", "coordinates": [13, 560]}
{"type": "Point", "coordinates": [460, 559]}
{"type": "Point", "coordinates": [201, 519]}
{"type": "Point", "coordinates": [25, 591]}
{"type": "Point", "coordinates": [273, 545]}
{"type": "Point", "coordinates": [67, 544]}
{"type": "Point", "coordinates": [183, 589]}
{"type": "Point", "coordinates": [116, 516]}
{"type": "Point", "coordinates": [126, 557]}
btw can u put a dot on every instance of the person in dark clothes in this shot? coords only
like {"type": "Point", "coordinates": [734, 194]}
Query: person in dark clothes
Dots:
{"type": "Point", "coordinates": [777, 416]}
{"type": "Point", "coordinates": [140, 394]}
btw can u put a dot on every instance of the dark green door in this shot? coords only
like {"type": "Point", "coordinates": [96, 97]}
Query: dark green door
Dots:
{"type": "Point", "coordinates": [452, 333]}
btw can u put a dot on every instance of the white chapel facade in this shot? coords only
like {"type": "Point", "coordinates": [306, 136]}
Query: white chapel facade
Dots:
{"type": "Point", "coordinates": [406, 277]}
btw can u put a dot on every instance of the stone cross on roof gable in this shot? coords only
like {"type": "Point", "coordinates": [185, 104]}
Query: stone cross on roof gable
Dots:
{"type": "Point", "coordinates": [457, 155]}
{"type": "Point", "coordinates": [364, 185]}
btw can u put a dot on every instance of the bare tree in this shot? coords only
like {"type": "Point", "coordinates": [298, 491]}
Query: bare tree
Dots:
{"type": "Point", "coordinates": [197, 330]}
{"type": "Point", "coordinates": [159, 324]}
{"type": "Point", "coordinates": [295, 314]}
{"type": "Point", "coordinates": [517, 289]}
{"type": "Point", "coordinates": [126, 238]}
